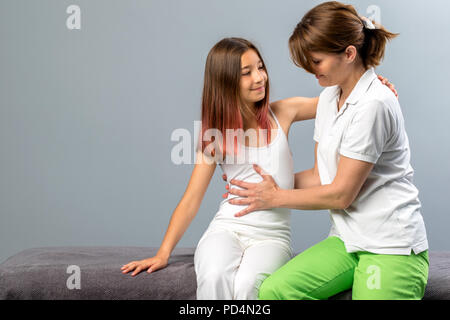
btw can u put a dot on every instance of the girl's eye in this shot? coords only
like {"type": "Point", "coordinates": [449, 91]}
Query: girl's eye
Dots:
{"type": "Point", "coordinates": [316, 61]}
{"type": "Point", "coordinates": [246, 74]}
{"type": "Point", "coordinates": [261, 68]}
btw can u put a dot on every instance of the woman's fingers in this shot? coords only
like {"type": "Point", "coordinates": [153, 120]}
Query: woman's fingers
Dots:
{"type": "Point", "coordinates": [242, 184]}
{"type": "Point", "coordinates": [245, 211]}
{"type": "Point", "coordinates": [241, 193]}
{"type": "Point", "coordinates": [240, 202]}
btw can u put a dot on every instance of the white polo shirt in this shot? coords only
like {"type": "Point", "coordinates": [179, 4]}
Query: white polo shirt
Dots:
{"type": "Point", "coordinates": [385, 217]}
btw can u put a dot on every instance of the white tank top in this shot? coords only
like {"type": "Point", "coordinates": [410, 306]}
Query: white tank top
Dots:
{"type": "Point", "coordinates": [274, 158]}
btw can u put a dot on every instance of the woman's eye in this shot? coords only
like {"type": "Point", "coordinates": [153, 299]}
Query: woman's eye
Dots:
{"type": "Point", "coordinates": [316, 61]}
{"type": "Point", "coordinates": [261, 68]}
{"type": "Point", "coordinates": [246, 74]}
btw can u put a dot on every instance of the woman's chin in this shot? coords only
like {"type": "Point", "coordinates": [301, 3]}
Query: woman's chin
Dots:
{"type": "Point", "coordinates": [323, 83]}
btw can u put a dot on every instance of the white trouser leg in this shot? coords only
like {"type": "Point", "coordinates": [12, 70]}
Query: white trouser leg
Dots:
{"type": "Point", "coordinates": [258, 262]}
{"type": "Point", "coordinates": [216, 260]}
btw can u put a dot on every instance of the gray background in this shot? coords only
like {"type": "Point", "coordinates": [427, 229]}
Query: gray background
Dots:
{"type": "Point", "coordinates": [87, 115]}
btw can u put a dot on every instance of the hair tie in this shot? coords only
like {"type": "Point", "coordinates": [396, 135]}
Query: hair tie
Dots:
{"type": "Point", "coordinates": [367, 23]}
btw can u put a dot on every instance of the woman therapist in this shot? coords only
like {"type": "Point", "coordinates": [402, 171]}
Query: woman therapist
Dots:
{"type": "Point", "coordinates": [377, 244]}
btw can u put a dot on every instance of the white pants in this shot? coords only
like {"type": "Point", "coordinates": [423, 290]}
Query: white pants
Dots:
{"type": "Point", "coordinates": [230, 265]}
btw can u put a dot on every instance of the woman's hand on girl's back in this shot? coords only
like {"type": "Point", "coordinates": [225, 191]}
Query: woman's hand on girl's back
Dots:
{"type": "Point", "coordinates": [150, 264]}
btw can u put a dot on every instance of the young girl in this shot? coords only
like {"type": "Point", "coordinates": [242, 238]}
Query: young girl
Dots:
{"type": "Point", "coordinates": [235, 255]}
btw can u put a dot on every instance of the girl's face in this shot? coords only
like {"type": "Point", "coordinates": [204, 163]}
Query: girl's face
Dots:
{"type": "Point", "coordinates": [253, 78]}
{"type": "Point", "coordinates": [330, 69]}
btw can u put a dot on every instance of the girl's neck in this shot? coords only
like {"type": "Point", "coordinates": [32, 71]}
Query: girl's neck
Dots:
{"type": "Point", "coordinates": [249, 116]}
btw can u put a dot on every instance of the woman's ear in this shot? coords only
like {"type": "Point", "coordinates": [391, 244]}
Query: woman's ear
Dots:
{"type": "Point", "coordinates": [350, 54]}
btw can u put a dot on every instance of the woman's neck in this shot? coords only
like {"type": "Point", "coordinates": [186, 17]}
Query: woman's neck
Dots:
{"type": "Point", "coordinates": [349, 84]}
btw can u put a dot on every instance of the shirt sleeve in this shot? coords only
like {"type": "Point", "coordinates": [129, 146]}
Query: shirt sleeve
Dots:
{"type": "Point", "coordinates": [368, 132]}
{"type": "Point", "coordinates": [318, 120]}
{"type": "Point", "coordinates": [316, 136]}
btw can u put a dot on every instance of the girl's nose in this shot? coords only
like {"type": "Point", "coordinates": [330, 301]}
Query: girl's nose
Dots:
{"type": "Point", "coordinates": [259, 77]}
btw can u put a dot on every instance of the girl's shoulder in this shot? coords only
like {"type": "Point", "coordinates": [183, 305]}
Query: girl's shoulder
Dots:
{"type": "Point", "coordinates": [283, 111]}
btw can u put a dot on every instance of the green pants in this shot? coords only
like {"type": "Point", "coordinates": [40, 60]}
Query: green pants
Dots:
{"type": "Point", "coordinates": [327, 268]}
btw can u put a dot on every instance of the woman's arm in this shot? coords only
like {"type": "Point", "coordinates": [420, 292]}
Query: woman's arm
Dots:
{"type": "Point", "coordinates": [351, 175]}
{"type": "Point", "coordinates": [182, 216]}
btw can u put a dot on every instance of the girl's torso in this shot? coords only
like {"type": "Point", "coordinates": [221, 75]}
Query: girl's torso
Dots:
{"type": "Point", "coordinates": [274, 158]}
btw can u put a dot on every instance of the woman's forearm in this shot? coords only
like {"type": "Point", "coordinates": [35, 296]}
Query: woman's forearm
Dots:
{"type": "Point", "coordinates": [315, 198]}
{"type": "Point", "coordinates": [306, 179]}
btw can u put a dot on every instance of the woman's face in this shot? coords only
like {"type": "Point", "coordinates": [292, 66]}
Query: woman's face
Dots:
{"type": "Point", "coordinates": [253, 78]}
{"type": "Point", "coordinates": [330, 69]}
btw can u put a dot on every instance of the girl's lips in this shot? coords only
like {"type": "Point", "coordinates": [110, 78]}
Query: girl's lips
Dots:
{"type": "Point", "coordinates": [259, 89]}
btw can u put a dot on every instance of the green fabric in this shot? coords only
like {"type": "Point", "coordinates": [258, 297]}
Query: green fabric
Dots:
{"type": "Point", "coordinates": [327, 268]}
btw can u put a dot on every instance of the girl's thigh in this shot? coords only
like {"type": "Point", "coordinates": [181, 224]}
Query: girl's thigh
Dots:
{"type": "Point", "coordinates": [258, 262]}
{"type": "Point", "coordinates": [390, 277]}
{"type": "Point", "coordinates": [319, 272]}
{"type": "Point", "coordinates": [218, 251]}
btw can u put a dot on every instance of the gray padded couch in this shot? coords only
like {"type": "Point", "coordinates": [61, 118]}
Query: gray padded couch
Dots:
{"type": "Point", "coordinates": [45, 273]}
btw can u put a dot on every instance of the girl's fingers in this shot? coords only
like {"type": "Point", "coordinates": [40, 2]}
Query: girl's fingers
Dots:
{"type": "Point", "coordinates": [153, 267]}
{"type": "Point", "coordinates": [128, 267]}
{"type": "Point", "coordinates": [138, 269]}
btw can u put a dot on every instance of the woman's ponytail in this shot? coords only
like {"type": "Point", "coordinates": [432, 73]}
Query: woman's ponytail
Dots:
{"type": "Point", "coordinates": [373, 48]}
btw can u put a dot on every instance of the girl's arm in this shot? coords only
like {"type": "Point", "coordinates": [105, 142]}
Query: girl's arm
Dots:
{"type": "Point", "coordinates": [302, 108]}
{"type": "Point", "coordinates": [182, 216]}
{"type": "Point", "coordinates": [308, 178]}
{"type": "Point", "coordinates": [295, 109]}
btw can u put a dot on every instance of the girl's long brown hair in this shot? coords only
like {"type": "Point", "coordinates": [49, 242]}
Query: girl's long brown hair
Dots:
{"type": "Point", "coordinates": [222, 107]}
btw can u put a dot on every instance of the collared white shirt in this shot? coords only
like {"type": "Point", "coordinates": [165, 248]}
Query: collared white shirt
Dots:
{"type": "Point", "coordinates": [385, 217]}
